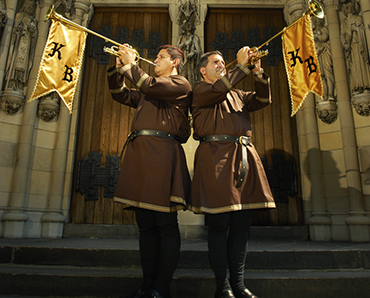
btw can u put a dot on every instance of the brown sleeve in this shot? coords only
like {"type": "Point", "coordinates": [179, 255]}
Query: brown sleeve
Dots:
{"type": "Point", "coordinates": [168, 88]}
{"type": "Point", "coordinates": [207, 94]}
{"type": "Point", "coordinates": [119, 91]}
{"type": "Point", "coordinates": [261, 97]}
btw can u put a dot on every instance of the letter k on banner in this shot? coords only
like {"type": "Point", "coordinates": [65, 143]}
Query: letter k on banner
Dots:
{"type": "Point", "coordinates": [301, 63]}
{"type": "Point", "coordinates": [61, 62]}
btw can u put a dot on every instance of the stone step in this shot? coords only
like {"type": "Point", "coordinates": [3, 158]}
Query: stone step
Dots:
{"type": "Point", "coordinates": [104, 267]}
{"type": "Point", "coordinates": [123, 253]}
{"type": "Point", "coordinates": [187, 231]}
{"type": "Point", "coordinates": [68, 281]}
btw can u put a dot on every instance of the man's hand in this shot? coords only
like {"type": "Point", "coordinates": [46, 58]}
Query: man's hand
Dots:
{"type": "Point", "coordinates": [257, 65]}
{"type": "Point", "coordinates": [244, 55]}
{"type": "Point", "coordinates": [126, 56]}
{"type": "Point", "coordinates": [118, 62]}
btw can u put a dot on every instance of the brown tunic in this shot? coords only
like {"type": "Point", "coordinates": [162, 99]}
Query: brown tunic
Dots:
{"type": "Point", "coordinates": [154, 174]}
{"type": "Point", "coordinates": [218, 110]}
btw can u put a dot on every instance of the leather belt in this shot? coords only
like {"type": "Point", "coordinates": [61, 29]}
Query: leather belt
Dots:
{"type": "Point", "coordinates": [243, 141]}
{"type": "Point", "coordinates": [147, 132]}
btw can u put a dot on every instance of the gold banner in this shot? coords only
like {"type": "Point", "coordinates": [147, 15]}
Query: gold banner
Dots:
{"type": "Point", "coordinates": [301, 62]}
{"type": "Point", "coordinates": [61, 62]}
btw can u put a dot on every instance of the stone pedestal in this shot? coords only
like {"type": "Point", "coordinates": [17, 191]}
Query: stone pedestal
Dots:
{"type": "Point", "coordinates": [361, 103]}
{"type": "Point", "coordinates": [327, 111]}
{"type": "Point", "coordinates": [191, 225]}
{"type": "Point", "coordinates": [13, 224]}
{"type": "Point", "coordinates": [320, 227]}
{"type": "Point", "coordinates": [11, 101]}
{"type": "Point", "coordinates": [358, 227]}
{"type": "Point", "coordinates": [52, 225]}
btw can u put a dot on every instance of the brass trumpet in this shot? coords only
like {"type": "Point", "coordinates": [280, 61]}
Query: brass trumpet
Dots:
{"type": "Point", "coordinates": [52, 14]}
{"type": "Point", "coordinates": [314, 8]}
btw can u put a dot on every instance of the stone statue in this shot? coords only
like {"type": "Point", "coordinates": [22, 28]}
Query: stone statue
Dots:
{"type": "Point", "coordinates": [189, 42]}
{"type": "Point", "coordinates": [3, 16]}
{"type": "Point", "coordinates": [322, 43]}
{"type": "Point", "coordinates": [353, 39]}
{"type": "Point", "coordinates": [20, 58]}
{"type": "Point", "coordinates": [22, 47]}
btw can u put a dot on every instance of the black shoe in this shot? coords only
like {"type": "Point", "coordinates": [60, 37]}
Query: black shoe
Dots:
{"type": "Point", "coordinates": [155, 294]}
{"type": "Point", "coordinates": [138, 294]}
{"type": "Point", "coordinates": [224, 294]}
{"type": "Point", "coordinates": [244, 294]}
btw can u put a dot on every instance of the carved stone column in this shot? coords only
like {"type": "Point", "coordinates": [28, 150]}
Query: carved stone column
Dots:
{"type": "Point", "coordinates": [189, 42]}
{"type": "Point", "coordinates": [319, 220]}
{"type": "Point", "coordinates": [355, 46]}
{"type": "Point", "coordinates": [365, 8]}
{"type": "Point", "coordinates": [15, 217]}
{"type": "Point", "coordinates": [53, 220]}
{"type": "Point", "coordinates": [20, 58]}
{"type": "Point", "coordinates": [357, 221]}
{"type": "Point", "coordinates": [5, 39]}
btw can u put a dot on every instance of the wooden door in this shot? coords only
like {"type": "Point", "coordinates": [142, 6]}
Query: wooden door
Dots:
{"type": "Point", "coordinates": [274, 131]}
{"type": "Point", "coordinates": [103, 123]}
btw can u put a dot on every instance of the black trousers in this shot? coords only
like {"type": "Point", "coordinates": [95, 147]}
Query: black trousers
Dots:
{"type": "Point", "coordinates": [228, 236]}
{"type": "Point", "coordinates": [159, 248]}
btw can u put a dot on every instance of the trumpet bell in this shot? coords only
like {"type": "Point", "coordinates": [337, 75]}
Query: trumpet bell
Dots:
{"type": "Point", "coordinates": [50, 14]}
{"type": "Point", "coordinates": [316, 9]}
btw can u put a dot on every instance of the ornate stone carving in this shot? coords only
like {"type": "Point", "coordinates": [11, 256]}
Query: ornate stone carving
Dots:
{"type": "Point", "coordinates": [20, 57]}
{"type": "Point", "coordinates": [49, 107]}
{"type": "Point", "coordinates": [327, 110]}
{"type": "Point", "coordinates": [293, 10]}
{"type": "Point", "coordinates": [322, 43]}
{"type": "Point", "coordinates": [189, 42]}
{"type": "Point", "coordinates": [361, 103]}
{"type": "Point", "coordinates": [3, 16]}
{"type": "Point", "coordinates": [11, 101]}
{"type": "Point", "coordinates": [353, 38]}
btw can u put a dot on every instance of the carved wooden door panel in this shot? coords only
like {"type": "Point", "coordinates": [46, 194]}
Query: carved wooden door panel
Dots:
{"type": "Point", "coordinates": [103, 123]}
{"type": "Point", "coordinates": [274, 131]}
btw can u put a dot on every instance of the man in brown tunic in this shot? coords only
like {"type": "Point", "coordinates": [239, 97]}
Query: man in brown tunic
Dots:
{"type": "Point", "coordinates": [229, 179]}
{"type": "Point", "coordinates": [154, 177]}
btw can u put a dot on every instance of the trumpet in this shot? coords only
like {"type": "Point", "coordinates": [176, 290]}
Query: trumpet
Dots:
{"type": "Point", "coordinates": [314, 8]}
{"type": "Point", "coordinates": [52, 14]}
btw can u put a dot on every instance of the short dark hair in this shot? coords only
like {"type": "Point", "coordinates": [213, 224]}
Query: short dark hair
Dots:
{"type": "Point", "coordinates": [204, 59]}
{"type": "Point", "coordinates": [175, 53]}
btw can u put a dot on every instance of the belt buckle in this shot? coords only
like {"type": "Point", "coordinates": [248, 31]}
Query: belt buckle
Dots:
{"type": "Point", "coordinates": [244, 140]}
{"type": "Point", "coordinates": [132, 135]}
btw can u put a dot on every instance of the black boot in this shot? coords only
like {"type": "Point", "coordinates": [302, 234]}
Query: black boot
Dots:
{"type": "Point", "coordinates": [224, 294]}
{"type": "Point", "coordinates": [155, 294]}
{"type": "Point", "coordinates": [137, 294]}
{"type": "Point", "coordinates": [244, 294]}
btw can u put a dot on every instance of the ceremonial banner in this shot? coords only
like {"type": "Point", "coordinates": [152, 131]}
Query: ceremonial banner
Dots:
{"type": "Point", "coordinates": [61, 62]}
{"type": "Point", "coordinates": [301, 62]}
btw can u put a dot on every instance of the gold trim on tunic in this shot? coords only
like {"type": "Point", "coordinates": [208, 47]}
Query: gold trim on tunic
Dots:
{"type": "Point", "coordinates": [264, 81]}
{"type": "Point", "coordinates": [110, 73]}
{"type": "Point", "coordinates": [142, 79]}
{"type": "Point", "coordinates": [230, 208]}
{"type": "Point", "coordinates": [262, 99]}
{"type": "Point", "coordinates": [125, 68]}
{"type": "Point", "coordinates": [245, 69]}
{"type": "Point", "coordinates": [130, 203]}
{"type": "Point", "coordinates": [227, 83]}
{"type": "Point", "coordinates": [118, 90]}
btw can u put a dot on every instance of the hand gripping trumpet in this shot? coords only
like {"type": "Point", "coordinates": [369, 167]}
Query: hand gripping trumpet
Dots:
{"type": "Point", "coordinates": [314, 8]}
{"type": "Point", "coordinates": [52, 14]}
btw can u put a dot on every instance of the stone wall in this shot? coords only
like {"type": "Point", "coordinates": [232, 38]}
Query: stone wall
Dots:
{"type": "Point", "coordinates": [37, 156]}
